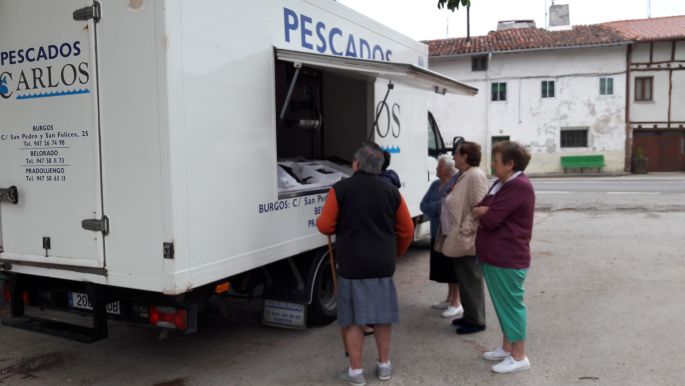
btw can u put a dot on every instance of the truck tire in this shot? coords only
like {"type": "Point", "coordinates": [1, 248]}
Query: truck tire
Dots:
{"type": "Point", "coordinates": [324, 305]}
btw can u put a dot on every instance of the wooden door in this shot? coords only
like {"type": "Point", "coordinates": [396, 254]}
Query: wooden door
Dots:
{"type": "Point", "coordinates": [665, 149]}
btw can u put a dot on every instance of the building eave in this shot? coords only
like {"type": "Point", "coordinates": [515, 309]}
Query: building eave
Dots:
{"type": "Point", "coordinates": [456, 56]}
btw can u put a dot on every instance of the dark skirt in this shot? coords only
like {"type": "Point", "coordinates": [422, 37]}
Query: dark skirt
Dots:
{"type": "Point", "coordinates": [441, 267]}
{"type": "Point", "coordinates": [367, 301]}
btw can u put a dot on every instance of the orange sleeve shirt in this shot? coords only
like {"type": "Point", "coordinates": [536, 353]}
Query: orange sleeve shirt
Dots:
{"type": "Point", "coordinates": [329, 214]}
{"type": "Point", "coordinates": [404, 226]}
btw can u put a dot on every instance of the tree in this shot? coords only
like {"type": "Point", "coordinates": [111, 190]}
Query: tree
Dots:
{"type": "Point", "coordinates": [453, 4]}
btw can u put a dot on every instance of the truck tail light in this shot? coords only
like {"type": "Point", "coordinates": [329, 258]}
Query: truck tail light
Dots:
{"type": "Point", "coordinates": [169, 317]}
{"type": "Point", "coordinates": [6, 295]}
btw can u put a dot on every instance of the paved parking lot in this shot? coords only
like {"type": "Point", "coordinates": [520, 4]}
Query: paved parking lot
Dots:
{"type": "Point", "coordinates": [604, 308]}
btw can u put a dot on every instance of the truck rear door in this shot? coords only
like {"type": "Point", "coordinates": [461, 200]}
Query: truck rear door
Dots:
{"type": "Point", "coordinates": [49, 135]}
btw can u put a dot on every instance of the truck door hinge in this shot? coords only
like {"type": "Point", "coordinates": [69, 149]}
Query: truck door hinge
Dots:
{"type": "Point", "coordinates": [10, 195]}
{"type": "Point", "coordinates": [87, 13]}
{"type": "Point", "coordinates": [96, 225]}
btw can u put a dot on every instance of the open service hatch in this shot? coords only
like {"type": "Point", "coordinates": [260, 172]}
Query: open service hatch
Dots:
{"type": "Point", "coordinates": [327, 106]}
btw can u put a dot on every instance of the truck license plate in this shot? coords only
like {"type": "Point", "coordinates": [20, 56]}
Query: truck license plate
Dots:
{"type": "Point", "coordinates": [79, 300]}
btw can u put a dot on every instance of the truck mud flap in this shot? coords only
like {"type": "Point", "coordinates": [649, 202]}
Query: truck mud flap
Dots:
{"type": "Point", "coordinates": [64, 330]}
{"type": "Point", "coordinates": [55, 328]}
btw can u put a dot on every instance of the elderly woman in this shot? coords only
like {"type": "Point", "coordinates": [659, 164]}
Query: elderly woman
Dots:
{"type": "Point", "coordinates": [503, 244]}
{"type": "Point", "coordinates": [457, 239]}
{"type": "Point", "coordinates": [440, 267]}
{"type": "Point", "coordinates": [372, 225]}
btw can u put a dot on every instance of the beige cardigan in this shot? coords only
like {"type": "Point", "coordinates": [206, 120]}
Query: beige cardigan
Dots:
{"type": "Point", "coordinates": [471, 187]}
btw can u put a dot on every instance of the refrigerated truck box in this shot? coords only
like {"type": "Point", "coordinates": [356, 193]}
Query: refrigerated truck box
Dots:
{"type": "Point", "coordinates": [149, 145]}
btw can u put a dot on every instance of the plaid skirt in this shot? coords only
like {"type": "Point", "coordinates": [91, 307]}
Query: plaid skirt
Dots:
{"type": "Point", "coordinates": [367, 301]}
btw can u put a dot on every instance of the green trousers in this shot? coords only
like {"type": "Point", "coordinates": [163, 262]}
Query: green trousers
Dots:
{"type": "Point", "coordinates": [506, 291]}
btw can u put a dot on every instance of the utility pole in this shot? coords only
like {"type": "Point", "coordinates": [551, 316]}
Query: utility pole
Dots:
{"type": "Point", "coordinates": [468, 23]}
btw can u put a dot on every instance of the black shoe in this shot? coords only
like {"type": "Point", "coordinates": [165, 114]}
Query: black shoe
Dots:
{"type": "Point", "coordinates": [459, 322]}
{"type": "Point", "coordinates": [470, 329]}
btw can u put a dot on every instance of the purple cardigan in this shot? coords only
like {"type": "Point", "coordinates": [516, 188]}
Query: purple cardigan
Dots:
{"type": "Point", "coordinates": [503, 238]}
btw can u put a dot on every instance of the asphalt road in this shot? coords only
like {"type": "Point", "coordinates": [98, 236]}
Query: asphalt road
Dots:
{"type": "Point", "coordinates": [654, 192]}
{"type": "Point", "coordinates": [655, 185]}
{"type": "Point", "coordinates": [602, 296]}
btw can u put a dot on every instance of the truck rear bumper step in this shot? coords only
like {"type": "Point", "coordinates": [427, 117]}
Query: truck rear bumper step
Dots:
{"type": "Point", "coordinates": [70, 331]}
{"type": "Point", "coordinates": [55, 328]}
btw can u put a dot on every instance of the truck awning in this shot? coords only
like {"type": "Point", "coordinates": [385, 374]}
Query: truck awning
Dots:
{"type": "Point", "coordinates": [398, 72]}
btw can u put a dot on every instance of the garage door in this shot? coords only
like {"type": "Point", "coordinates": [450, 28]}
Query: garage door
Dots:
{"type": "Point", "coordinates": [664, 148]}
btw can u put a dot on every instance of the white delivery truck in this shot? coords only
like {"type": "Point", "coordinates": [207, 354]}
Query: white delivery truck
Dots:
{"type": "Point", "coordinates": [156, 153]}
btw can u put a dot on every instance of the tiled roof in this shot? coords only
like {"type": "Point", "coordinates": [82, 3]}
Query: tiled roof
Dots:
{"type": "Point", "coordinates": [526, 38]}
{"type": "Point", "coordinates": [658, 28]}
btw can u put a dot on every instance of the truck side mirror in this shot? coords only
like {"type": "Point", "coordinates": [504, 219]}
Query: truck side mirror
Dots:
{"type": "Point", "coordinates": [456, 141]}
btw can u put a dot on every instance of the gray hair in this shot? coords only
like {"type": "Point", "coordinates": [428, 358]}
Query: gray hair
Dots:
{"type": "Point", "coordinates": [370, 158]}
{"type": "Point", "coordinates": [449, 161]}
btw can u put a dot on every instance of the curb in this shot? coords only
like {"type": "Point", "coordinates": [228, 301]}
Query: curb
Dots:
{"type": "Point", "coordinates": [563, 175]}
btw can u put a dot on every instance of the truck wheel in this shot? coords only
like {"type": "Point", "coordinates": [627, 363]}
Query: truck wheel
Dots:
{"type": "Point", "coordinates": [323, 309]}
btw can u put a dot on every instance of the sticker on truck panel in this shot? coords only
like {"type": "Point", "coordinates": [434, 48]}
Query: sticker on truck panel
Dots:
{"type": "Point", "coordinates": [44, 79]}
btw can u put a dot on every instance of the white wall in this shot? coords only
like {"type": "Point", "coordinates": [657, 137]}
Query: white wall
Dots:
{"type": "Point", "coordinates": [535, 121]}
{"type": "Point", "coordinates": [680, 50]}
{"type": "Point", "coordinates": [662, 52]}
{"type": "Point", "coordinates": [640, 53]}
{"type": "Point", "coordinates": [656, 110]}
{"type": "Point", "coordinates": [678, 96]}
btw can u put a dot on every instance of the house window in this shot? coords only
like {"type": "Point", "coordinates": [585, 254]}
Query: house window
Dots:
{"type": "Point", "coordinates": [548, 89]}
{"type": "Point", "coordinates": [606, 86]}
{"type": "Point", "coordinates": [499, 91]}
{"type": "Point", "coordinates": [479, 63]}
{"type": "Point", "coordinates": [574, 137]}
{"type": "Point", "coordinates": [643, 88]}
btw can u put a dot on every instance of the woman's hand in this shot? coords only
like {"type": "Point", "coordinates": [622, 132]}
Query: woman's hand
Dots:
{"type": "Point", "coordinates": [479, 211]}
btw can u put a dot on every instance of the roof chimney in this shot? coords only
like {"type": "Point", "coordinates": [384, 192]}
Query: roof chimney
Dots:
{"type": "Point", "coordinates": [515, 24]}
{"type": "Point", "coordinates": [559, 18]}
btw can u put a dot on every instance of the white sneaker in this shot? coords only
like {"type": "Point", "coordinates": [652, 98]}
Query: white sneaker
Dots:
{"type": "Point", "coordinates": [511, 365]}
{"type": "Point", "coordinates": [497, 354]}
{"type": "Point", "coordinates": [452, 311]}
{"type": "Point", "coordinates": [441, 306]}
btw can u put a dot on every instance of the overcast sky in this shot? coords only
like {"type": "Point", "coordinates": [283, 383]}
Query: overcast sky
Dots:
{"type": "Point", "coordinates": [421, 20]}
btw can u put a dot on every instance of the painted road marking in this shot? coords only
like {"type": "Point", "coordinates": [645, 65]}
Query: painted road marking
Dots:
{"type": "Point", "coordinates": [643, 193]}
{"type": "Point", "coordinates": [551, 192]}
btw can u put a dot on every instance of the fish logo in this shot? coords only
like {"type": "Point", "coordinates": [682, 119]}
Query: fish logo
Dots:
{"type": "Point", "coordinates": [4, 90]}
